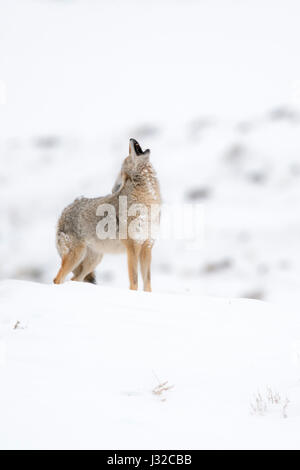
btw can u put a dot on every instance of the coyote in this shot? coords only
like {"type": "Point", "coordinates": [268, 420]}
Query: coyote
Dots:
{"type": "Point", "coordinates": [77, 239]}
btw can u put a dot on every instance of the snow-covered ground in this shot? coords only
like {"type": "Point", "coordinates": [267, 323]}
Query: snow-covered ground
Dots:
{"type": "Point", "coordinates": [80, 365]}
{"type": "Point", "coordinates": [219, 106]}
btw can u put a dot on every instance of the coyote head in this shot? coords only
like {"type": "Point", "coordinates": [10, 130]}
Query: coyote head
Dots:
{"type": "Point", "coordinates": [133, 165]}
{"type": "Point", "coordinates": [136, 160]}
{"type": "Point", "coordinates": [135, 149]}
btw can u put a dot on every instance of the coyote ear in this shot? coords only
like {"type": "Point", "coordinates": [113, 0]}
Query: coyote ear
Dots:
{"type": "Point", "coordinates": [146, 153]}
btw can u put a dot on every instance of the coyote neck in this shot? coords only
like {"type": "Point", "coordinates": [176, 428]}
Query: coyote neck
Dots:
{"type": "Point", "coordinates": [144, 183]}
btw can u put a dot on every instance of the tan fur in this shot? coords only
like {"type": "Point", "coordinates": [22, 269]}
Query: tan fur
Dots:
{"type": "Point", "coordinates": [70, 261]}
{"type": "Point", "coordinates": [81, 250]}
{"type": "Point", "coordinates": [133, 251]}
{"type": "Point", "coordinates": [145, 260]}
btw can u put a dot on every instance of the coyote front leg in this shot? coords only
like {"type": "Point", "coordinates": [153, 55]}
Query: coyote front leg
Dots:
{"type": "Point", "coordinates": [133, 251]}
{"type": "Point", "coordinates": [145, 260]}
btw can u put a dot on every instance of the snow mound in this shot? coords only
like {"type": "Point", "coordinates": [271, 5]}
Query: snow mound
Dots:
{"type": "Point", "coordinates": [84, 366]}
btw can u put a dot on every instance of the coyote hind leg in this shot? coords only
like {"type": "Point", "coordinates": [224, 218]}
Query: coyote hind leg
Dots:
{"type": "Point", "coordinates": [91, 277]}
{"type": "Point", "coordinates": [69, 262]}
{"type": "Point", "coordinates": [84, 271]}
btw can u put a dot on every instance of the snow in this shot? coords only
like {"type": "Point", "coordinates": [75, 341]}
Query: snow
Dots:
{"type": "Point", "coordinates": [212, 88]}
{"type": "Point", "coordinates": [79, 369]}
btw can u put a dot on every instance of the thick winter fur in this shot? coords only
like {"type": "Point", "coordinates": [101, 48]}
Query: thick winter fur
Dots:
{"type": "Point", "coordinates": [77, 242]}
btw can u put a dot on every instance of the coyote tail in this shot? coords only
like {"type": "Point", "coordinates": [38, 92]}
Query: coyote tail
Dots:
{"type": "Point", "coordinates": [64, 243]}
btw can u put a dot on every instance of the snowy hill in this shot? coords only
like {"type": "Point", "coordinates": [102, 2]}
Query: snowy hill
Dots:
{"type": "Point", "coordinates": [81, 367]}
